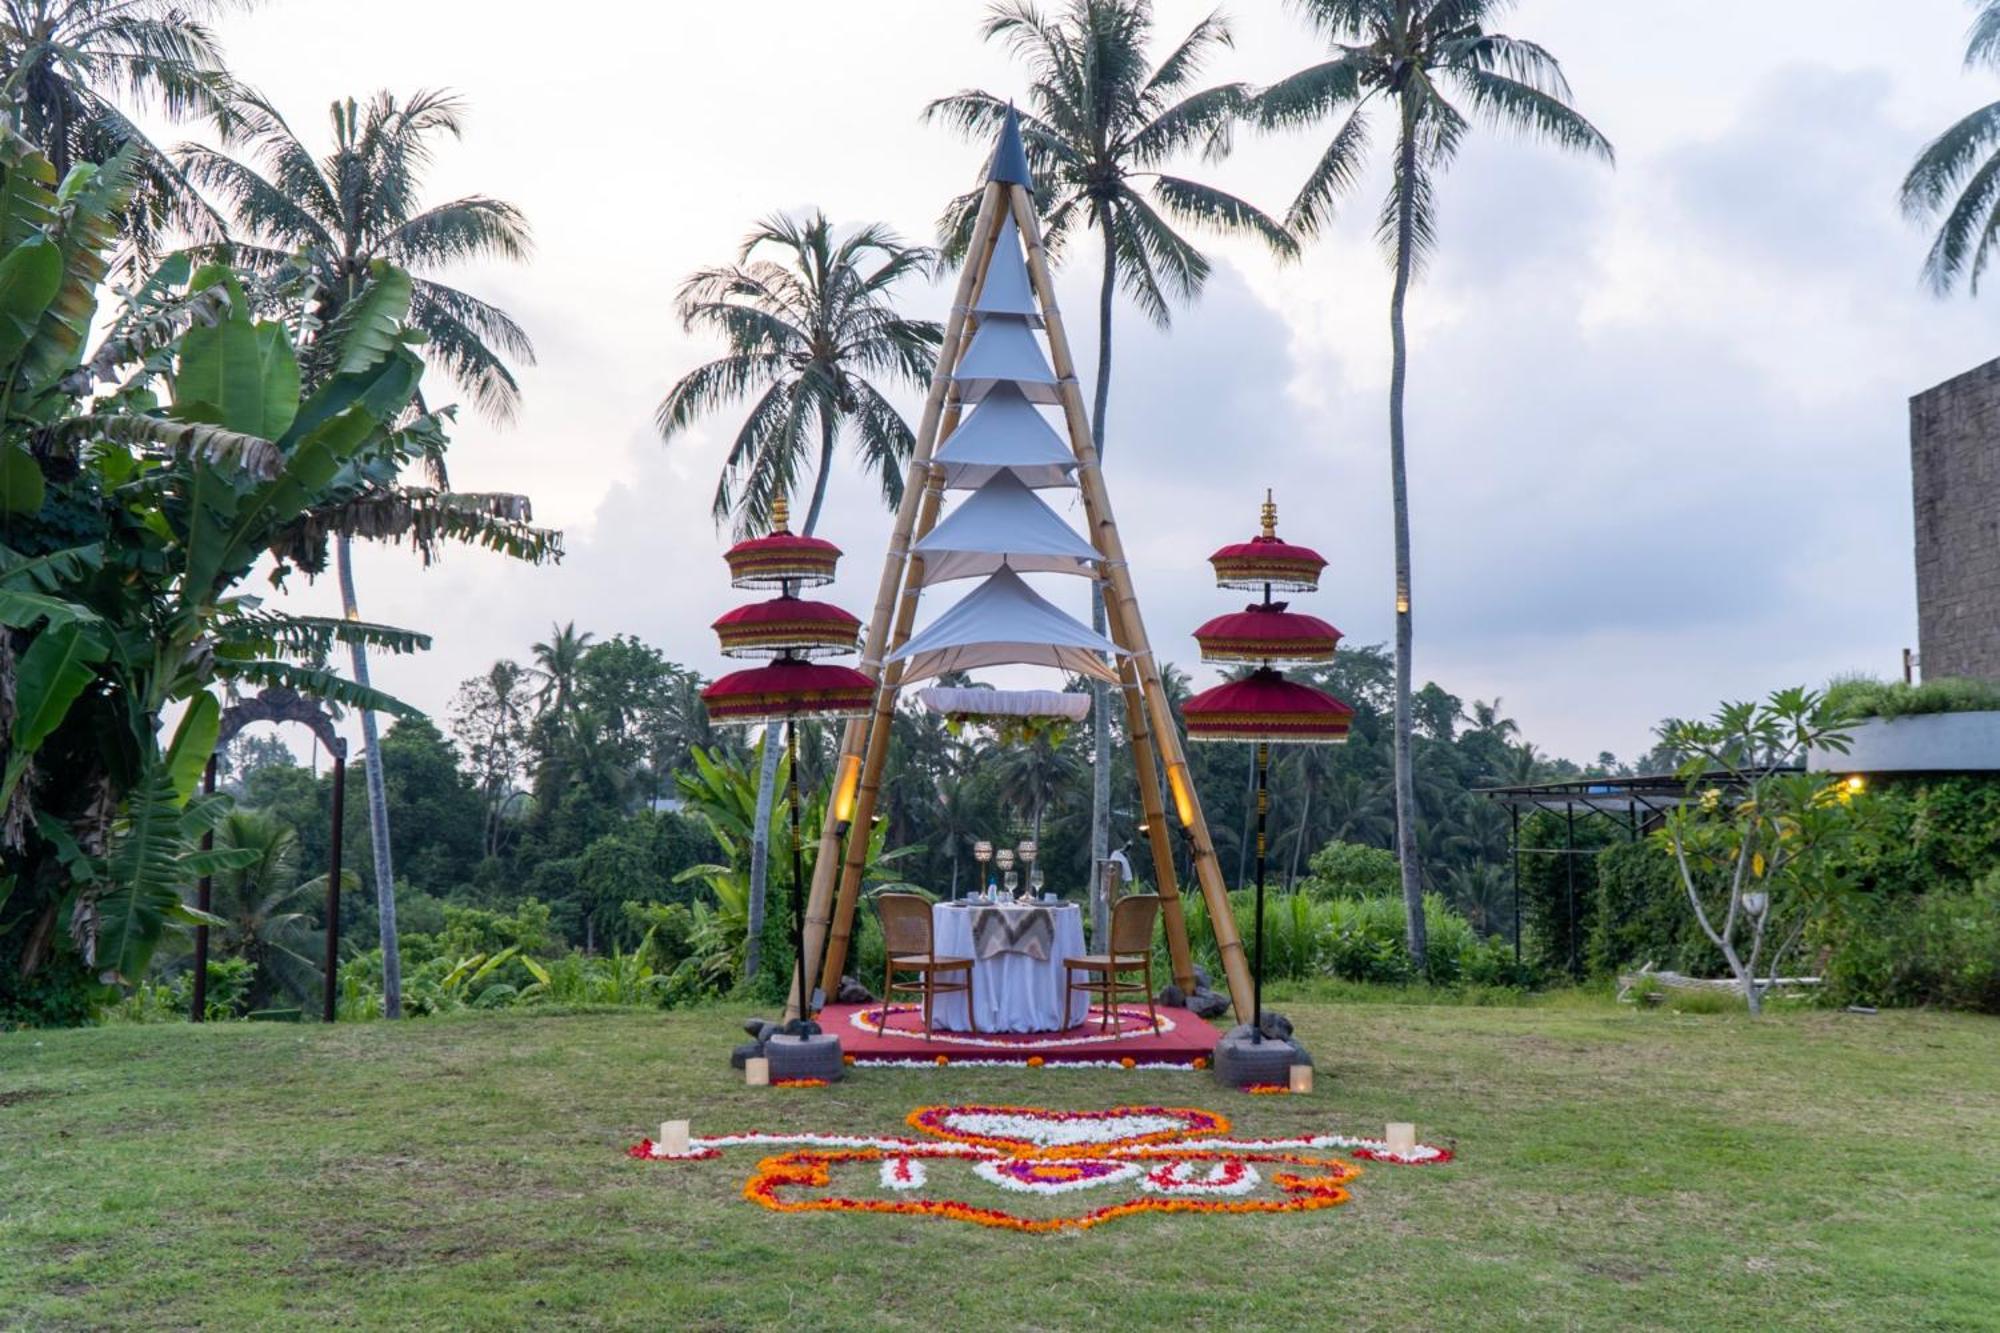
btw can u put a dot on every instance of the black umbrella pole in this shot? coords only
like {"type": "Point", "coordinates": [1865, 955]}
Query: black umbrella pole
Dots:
{"type": "Point", "coordinates": [798, 875]}
{"type": "Point", "coordinates": [1263, 813]}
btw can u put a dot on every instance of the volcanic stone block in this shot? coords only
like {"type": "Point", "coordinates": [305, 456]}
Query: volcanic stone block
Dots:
{"type": "Point", "coordinates": [1241, 1062]}
{"type": "Point", "coordinates": [806, 1057]}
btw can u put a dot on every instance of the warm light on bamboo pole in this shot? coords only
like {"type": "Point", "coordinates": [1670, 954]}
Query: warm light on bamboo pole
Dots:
{"type": "Point", "coordinates": [846, 789]}
{"type": "Point", "coordinates": [1179, 782]}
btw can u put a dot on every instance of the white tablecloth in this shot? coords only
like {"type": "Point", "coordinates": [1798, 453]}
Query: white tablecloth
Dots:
{"type": "Point", "coordinates": [1014, 993]}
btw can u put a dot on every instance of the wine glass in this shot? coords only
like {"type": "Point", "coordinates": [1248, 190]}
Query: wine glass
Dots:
{"type": "Point", "coordinates": [1035, 878]}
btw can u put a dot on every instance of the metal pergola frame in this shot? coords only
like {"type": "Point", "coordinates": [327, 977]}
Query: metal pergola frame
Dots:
{"type": "Point", "coordinates": [1634, 805]}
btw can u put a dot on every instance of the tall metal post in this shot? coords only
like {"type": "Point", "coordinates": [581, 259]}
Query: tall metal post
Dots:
{"type": "Point", "coordinates": [1257, 972]}
{"type": "Point", "coordinates": [799, 968]}
{"type": "Point", "coordinates": [333, 873]}
{"type": "Point", "coordinates": [1514, 845]}
{"type": "Point", "coordinates": [1569, 879]}
{"type": "Point", "coordinates": [203, 888]}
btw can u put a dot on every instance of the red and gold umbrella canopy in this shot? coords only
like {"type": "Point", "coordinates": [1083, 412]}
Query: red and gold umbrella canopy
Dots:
{"type": "Point", "coordinates": [1264, 706]}
{"type": "Point", "coordinates": [781, 558]}
{"type": "Point", "coordinates": [789, 689]}
{"type": "Point", "coordinates": [1267, 633]}
{"type": "Point", "coordinates": [787, 626]}
{"type": "Point", "coordinates": [1265, 562]}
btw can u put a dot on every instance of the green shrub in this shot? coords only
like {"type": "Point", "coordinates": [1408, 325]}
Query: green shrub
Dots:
{"type": "Point", "coordinates": [1864, 697]}
{"type": "Point", "coordinates": [1352, 939]}
{"type": "Point", "coordinates": [1352, 870]}
{"type": "Point", "coordinates": [1642, 916]}
{"type": "Point", "coordinates": [1941, 948]}
{"type": "Point", "coordinates": [1559, 890]}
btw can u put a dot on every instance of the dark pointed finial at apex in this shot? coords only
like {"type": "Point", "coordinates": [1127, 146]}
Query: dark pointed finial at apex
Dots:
{"type": "Point", "coordinates": [1010, 156]}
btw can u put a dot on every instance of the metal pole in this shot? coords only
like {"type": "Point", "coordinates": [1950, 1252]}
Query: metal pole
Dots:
{"type": "Point", "coordinates": [1257, 974]}
{"type": "Point", "coordinates": [1569, 879]}
{"type": "Point", "coordinates": [1514, 845]}
{"type": "Point", "coordinates": [798, 878]}
{"type": "Point", "coordinates": [333, 872]}
{"type": "Point", "coordinates": [198, 1004]}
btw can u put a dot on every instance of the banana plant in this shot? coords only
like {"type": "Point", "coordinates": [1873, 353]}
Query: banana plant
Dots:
{"type": "Point", "coordinates": [140, 484]}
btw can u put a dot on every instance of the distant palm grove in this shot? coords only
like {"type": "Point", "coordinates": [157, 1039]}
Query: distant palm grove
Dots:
{"type": "Point", "coordinates": [224, 362]}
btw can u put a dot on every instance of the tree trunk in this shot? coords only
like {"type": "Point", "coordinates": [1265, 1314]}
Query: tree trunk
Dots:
{"type": "Point", "coordinates": [1100, 694]}
{"type": "Point", "coordinates": [378, 803]}
{"type": "Point", "coordinates": [1406, 792]}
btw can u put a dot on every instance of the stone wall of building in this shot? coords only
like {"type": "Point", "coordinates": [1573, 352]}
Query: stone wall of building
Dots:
{"type": "Point", "coordinates": [1955, 465]}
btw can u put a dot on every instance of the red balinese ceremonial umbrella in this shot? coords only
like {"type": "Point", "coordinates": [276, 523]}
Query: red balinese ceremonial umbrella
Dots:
{"type": "Point", "coordinates": [1263, 707]}
{"type": "Point", "coordinates": [789, 689]}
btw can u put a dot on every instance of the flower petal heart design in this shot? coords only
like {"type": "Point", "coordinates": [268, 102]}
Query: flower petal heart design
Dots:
{"type": "Point", "coordinates": [1033, 1132]}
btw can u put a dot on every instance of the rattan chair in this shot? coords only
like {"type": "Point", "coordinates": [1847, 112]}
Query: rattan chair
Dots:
{"type": "Point", "coordinates": [909, 947]}
{"type": "Point", "coordinates": [1131, 950]}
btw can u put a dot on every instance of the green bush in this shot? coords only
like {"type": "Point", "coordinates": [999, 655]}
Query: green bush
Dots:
{"type": "Point", "coordinates": [1352, 870]}
{"type": "Point", "coordinates": [1642, 916]}
{"type": "Point", "coordinates": [1559, 890]}
{"type": "Point", "coordinates": [1353, 939]}
{"type": "Point", "coordinates": [1864, 697]}
{"type": "Point", "coordinates": [1941, 948]}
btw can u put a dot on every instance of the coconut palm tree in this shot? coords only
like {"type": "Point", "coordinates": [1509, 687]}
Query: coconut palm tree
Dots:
{"type": "Point", "coordinates": [1404, 61]}
{"type": "Point", "coordinates": [74, 73]}
{"type": "Point", "coordinates": [1101, 123]}
{"type": "Point", "coordinates": [343, 214]}
{"type": "Point", "coordinates": [1958, 175]}
{"type": "Point", "coordinates": [814, 339]}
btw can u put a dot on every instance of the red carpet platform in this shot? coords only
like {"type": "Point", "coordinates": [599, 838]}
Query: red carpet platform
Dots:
{"type": "Point", "coordinates": [1180, 1039]}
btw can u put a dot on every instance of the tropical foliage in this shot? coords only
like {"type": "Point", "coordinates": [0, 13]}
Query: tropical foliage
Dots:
{"type": "Point", "coordinates": [143, 480]}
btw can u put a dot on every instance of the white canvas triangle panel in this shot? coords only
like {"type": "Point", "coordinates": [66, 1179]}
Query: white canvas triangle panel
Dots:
{"type": "Point", "coordinates": [1007, 290]}
{"type": "Point", "coordinates": [1005, 431]}
{"type": "Point", "coordinates": [1004, 622]}
{"type": "Point", "coordinates": [1005, 350]}
{"type": "Point", "coordinates": [1004, 522]}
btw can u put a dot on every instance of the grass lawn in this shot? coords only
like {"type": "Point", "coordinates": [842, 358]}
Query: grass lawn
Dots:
{"type": "Point", "coordinates": [1616, 1168]}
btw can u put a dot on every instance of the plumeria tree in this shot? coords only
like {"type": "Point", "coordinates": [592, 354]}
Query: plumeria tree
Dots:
{"type": "Point", "coordinates": [1763, 847]}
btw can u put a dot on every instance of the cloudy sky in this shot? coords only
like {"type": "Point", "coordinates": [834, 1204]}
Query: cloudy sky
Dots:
{"type": "Point", "coordinates": [1659, 444]}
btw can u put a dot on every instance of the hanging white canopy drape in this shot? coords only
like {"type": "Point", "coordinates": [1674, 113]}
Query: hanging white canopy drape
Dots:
{"type": "Point", "coordinates": [1005, 622]}
{"type": "Point", "coordinates": [1005, 430]}
{"type": "Point", "coordinates": [1003, 522]}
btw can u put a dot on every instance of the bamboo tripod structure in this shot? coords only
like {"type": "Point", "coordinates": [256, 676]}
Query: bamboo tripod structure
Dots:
{"type": "Point", "coordinates": [1154, 737]}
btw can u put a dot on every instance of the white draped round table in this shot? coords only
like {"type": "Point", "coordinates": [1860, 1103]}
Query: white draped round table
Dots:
{"type": "Point", "coordinates": [1014, 991]}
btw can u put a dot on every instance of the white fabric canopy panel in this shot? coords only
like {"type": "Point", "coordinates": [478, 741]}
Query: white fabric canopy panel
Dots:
{"type": "Point", "coordinates": [1007, 290]}
{"type": "Point", "coordinates": [1003, 523]}
{"type": "Point", "coordinates": [949, 702]}
{"type": "Point", "coordinates": [1006, 431]}
{"type": "Point", "coordinates": [1004, 622]}
{"type": "Point", "coordinates": [1005, 351]}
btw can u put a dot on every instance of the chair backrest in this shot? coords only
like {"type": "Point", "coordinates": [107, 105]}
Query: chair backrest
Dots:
{"type": "Point", "coordinates": [1132, 920]}
{"type": "Point", "coordinates": [906, 922]}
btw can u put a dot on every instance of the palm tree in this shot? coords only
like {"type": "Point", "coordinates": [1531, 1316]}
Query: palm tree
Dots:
{"type": "Point", "coordinates": [343, 214]}
{"type": "Point", "coordinates": [1958, 175]}
{"type": "Point", "coordinates": [1102, 123]}
{"type": "Point", "coordinates": [67, 65]}
{"type": "Point", "coordinates": [558, 663]}
{"type": "Point", "coordinates": [1403, 58]}
{"type": "Point", "coordinates": [809, 337]}
{"type": "Point", "coordinates": [258, 903]}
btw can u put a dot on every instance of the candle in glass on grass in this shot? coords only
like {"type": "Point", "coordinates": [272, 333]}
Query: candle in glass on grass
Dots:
{"type": "Point", "coordinates": [1401, 1139]}
{"type": "Point", "coordinates": [674, 1137]}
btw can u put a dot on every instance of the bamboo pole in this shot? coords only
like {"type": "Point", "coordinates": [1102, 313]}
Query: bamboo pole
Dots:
{"type": "Point", "coordinates": [1159, 838]}
{"type": "Point", "coordinates": [1104, 535]}
{"type": "Point", "coordinates": [914, 517]}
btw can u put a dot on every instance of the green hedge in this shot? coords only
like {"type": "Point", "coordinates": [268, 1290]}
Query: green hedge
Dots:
{"type": "Point", "coordinates": [1641, 915]}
